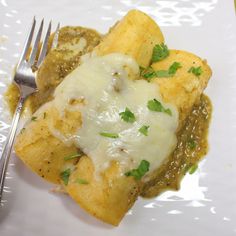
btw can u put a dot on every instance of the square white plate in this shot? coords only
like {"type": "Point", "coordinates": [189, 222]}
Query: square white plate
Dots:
{"type": "Point", "coordinates": [206, 203]}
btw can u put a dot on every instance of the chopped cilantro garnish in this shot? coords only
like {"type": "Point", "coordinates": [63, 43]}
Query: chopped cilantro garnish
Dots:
{"type": "Point", "coordinates": [79, 154]}
{"type": "Point", "coordinates": [109, 135]}
{"type": "Point", "coordinates": [81, 181]}
{"type": "Point", "coordinates": [192, 169]}
{"type": "Point", "coordinates": [170, 72]}
{"type": "Point", "coordinates": [162, 73]}
{"type": "Point", "coordinates": [191, 144]}
{"type": "Point", "coordinates": [160, 52]}
{"type": "Point", "coordinates": [141, 69]}
{"type": "Point", "coordinates": [174, 67]}
{"type": "Point", "coordinates": [144, 130]}
{"type": "Point", "coordinates": [142, 169]}
{"type": "Point", "coordinates": [22, 130]}
{"type": "Point", "coordinates": [195, 70]}
{"type": "Point", "coordinates": [149, 73]}
{"type": "Point", "coordinates": [168, 111]}
{"type": "Point", "coordinates": [34, 118]}
{"type": "Point", "coordinates": [155, 105]}
{"type": "Point", "coordinates": [65, 176]}
{"type": "Point", "coordinates": [127, 115]}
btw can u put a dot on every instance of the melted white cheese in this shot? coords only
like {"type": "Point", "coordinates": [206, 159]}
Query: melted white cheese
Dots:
{"type": "Point", "coordinates": [104, 85]}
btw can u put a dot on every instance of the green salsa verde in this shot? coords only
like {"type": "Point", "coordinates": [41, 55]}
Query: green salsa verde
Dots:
{"type": "Point", "coordinates": [192, 146]}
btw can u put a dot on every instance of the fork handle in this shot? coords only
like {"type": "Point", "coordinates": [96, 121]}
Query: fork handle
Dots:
{"type": "Point", "coordinates": [9, 143]}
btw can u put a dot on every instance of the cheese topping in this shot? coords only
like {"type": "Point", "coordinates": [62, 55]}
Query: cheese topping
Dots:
{"type": "Point", "coordinates": [104, 86]}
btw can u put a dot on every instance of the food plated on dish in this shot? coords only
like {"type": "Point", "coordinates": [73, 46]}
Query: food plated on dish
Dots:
{"type": "Point", "coordinates": [116, 116]}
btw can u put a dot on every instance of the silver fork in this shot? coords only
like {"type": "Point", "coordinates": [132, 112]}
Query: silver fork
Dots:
{"type": "Point", "coordinates": [24, 78]}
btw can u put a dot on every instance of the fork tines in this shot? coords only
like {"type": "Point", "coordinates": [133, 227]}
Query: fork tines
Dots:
{"type": "Point", "coordinates": [34, 52]}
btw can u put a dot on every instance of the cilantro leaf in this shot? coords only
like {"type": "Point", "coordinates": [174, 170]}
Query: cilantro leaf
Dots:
{"type": "Point", "coordinates": [109, 135]}
{"type": "Point", "coordinates": [192, 169]}
{"type": "Point", "coordinates": [162, 73]}
{"type": "Point", "coordinates": [144, 130]}
{"type": "Point", "coordinates": [191, 144]}
{"type": "Point", "coordinates": [149, 73]}
{"type": "Point", "coordinates": [155, 105]}
{"type": "Point", "coordinates": [168, 111]}
{"type": "Point", "coordinates": [141, 69]}
{"type": "Point", "coordinates": [81, 181]}
{"type": "Point", "coordinates": [174, 67]}
{"type": "Point", "coordinates": [160, 52]}
{"type": "Point", "coordinates": [195, 70]}
{"type": "Point", "coordinates": [170, 72]}
{"type": "Point", "coordinates": [142, 169]}
{"type": "Point", "coordinates": [34, 118]}
{"type": "Point", "coordinates": [22, 130]}
{"type": "Point", "coordinates": [127, 115]}
{"type": "Point", "coordinates": [65, 176]}
{"type": "Point", "coordinates": [79, 154]}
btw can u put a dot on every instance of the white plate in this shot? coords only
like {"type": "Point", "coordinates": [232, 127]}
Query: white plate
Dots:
{"type": "Point", "coordinates": [206, 203]}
